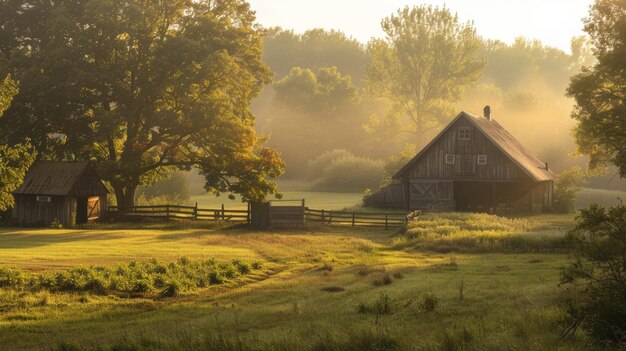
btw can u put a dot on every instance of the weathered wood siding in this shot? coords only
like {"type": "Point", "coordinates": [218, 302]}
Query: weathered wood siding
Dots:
{"type": "Point", "coordinates": [28, 210]}
{"type": "Point", "coordinates": [432, 164]}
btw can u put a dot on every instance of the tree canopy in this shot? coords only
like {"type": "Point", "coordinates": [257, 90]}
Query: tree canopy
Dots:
{"type": "Point", "coordinates": [141, 87]}
{"type": "Point", "coordinates": [14, 161]}
{"type": "Point", "coordinates": [314, 49]}
{"type": "Point", "coordinates": [426, 60]}
{"type": "Point", "coordinates": [600, 90]}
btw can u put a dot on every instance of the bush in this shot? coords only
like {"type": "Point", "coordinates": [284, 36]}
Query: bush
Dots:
{"type": "Point", "coordinates": [383, 305]}
{"type": "Point", "coordinates": [10, 277]}
{"type": "Point", "coordinates": [170, 289]}
{"type": "Point", "coordinates": [429, 302]}
{"type": "Point", "coordinates": [317, 165]}
{"type": "Point", "coordinates": [567, 185]}
{"type": "Point", "coordinates": [596, 288]}
{"type": "Point", "coordinates": [385, 279]}
{"type": "Point", "coordinates": [350, 174]}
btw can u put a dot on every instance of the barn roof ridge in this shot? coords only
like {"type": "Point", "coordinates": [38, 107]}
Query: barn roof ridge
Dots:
{"type": "Point", "coordinates": [51, 178]}
{"type": "Point", "coordinates": [502, 139]}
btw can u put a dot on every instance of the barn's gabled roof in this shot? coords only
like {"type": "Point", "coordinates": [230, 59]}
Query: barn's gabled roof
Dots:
{"type": "Point", "coordinates": [503, 140]}
{"type": "Point", "coordinates": [61, 178]}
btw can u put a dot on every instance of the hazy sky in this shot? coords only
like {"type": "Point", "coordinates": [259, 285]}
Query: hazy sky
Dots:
{"type": "Point", "coordinates": [554, 22]}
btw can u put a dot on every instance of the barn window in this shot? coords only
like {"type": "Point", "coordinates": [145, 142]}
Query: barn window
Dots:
{"type": "Point", "coordinates": [464, 133]}
{"type": "Point", "coordinates": [482, 159]}
{"type": "Point", "coordinates": [450, 159]}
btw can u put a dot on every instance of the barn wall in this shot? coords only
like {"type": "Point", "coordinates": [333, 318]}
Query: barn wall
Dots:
{"type": "Point", "coordinates": [432, 164]}
{"type": "Point", "coordinates": [28, 210]}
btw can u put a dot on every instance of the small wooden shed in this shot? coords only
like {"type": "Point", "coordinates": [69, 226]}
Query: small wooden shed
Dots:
{"type": "Point", "coordinates": [67, 192]}
{"type": "Point", "coordinates": [474, 164]}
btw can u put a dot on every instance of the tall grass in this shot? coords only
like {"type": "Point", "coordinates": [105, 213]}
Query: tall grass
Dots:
{"type": "Point", "coordinates": [476, 232]}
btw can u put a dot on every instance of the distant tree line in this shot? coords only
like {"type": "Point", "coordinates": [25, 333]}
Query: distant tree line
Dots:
{"type": "Point", "coordinates": [378, 100]}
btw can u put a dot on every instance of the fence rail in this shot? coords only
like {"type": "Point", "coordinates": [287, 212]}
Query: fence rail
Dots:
{"type": "Point", "coordinates": [356, 219]}
{"type": "Point", "coordinates": [168, 212]}
{"type": "Point", "coordinates": [286, 214]}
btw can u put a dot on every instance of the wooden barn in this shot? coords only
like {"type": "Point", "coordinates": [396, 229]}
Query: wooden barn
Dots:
{"type": "Point", "coordinates": [474, 164]}
{"type": "Point", "coordinates": [67, 192]}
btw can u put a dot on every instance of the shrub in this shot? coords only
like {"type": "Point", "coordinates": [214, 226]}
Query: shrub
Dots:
{"type": "Point", "coordinates": [317, 165]}
{"type": "Point", "coordinates": [567, 185]}
{"type": "Point", "coordinates": [242, 267]}
{"type": "Point", "coordinates": [10, 277]}
{"type": "Point", "coordinates": [141, 286]}
{"type": "Point", "coordinates": [384, 279]}
{"type": "Point", "coordinates": [170, 289]}
{"type": "Point", "coordinates": [596, 299]}
{"type": "Point", "coordinates": [215, 278]}
{"type": "Point", "coordinates": [383, 305]}
{"type": "Point", "coordinates": [96, 285]}
{"type": "Point", "coordinates": [429, 302]}
{"type": "Point", "coordinates": [350, 174]}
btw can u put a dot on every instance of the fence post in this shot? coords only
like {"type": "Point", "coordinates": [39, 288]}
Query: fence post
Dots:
{"type": "Point", "coordinates": [386, 222]}
{"type": "Point", "coordinates": [323, 219]}
{"type": "Point", "coordinates": [330, 216]}
{"type": "Point", "coordinates": [249, 215]}
{"type": "Point", "coordinates": [167, 212]}
{"type": "Point", "coordinates": [353, 219]}
{"type": "Point", "coordinates": [223, 215]}
{"type": "Point", "coordinates": [195, 212]}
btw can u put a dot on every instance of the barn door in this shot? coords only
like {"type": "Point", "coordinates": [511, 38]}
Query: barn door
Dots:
{"type": "Point", "coordinates": [422, 194]}
{"type": "Point", "coordinates": [424, 190]}
{"type": "Point", "coordinates": [93, 207]}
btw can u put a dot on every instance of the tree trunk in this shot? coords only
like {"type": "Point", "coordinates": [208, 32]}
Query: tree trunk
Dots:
{"type": "Point", "coordinates": [125, 194]}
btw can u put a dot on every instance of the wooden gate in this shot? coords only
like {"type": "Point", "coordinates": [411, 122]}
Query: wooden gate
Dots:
{"type": "Point", "coordinates": [286, 212]}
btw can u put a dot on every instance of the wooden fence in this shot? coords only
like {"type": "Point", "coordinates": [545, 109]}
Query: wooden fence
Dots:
{"type": "Point", "coordinates": [284, 215]}
{"type": "Point", "coordinates": [168, 212]}
{"type": "Point", "coordinates": [356, 219]}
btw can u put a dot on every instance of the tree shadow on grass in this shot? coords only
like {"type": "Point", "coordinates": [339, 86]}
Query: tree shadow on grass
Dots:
{"type": "Point", "coordinates": [22, 239]}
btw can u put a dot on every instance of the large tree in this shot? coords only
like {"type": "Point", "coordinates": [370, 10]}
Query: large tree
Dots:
{"type": "Point", "coordinates": [600, 90]}
{"type": "Point", "coordinates": [141, 88]}
{"type": "Point", "coordinates": [15, 160]}
{"type": "Point", "coordinates": [422, 65]}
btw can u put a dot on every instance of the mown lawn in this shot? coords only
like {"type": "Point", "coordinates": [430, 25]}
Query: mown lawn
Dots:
{"type": "Point", "coordinates": [319, 288]}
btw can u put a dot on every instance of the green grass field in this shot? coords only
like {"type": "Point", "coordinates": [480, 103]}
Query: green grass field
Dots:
{"type": "Point", "coordinates": [319, 288]}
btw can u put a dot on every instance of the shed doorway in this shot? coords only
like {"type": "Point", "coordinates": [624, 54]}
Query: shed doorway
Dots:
{"type": "Point", "coordinates": [81, 210]}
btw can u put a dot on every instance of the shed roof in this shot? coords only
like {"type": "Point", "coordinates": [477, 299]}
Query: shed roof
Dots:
{"type": "Point", "coordinates": [503, 140]}
{"type": "Point", "coordinates": [61, 178]}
